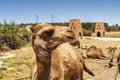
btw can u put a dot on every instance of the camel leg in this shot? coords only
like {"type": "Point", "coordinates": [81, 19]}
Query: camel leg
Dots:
{"type": "Point", "coordinates": [115, 77]}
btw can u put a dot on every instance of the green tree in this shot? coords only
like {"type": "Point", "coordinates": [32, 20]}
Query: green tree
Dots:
{"type": "Point", "coordinates": [87, 32]}
{"type": "Point", "coordinates": [117, 25]}
{"type": "Point", "coordinates": [89, 26]}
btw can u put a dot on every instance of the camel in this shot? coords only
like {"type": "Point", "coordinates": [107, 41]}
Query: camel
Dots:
{"type": "Point", "coordinates": [67, 63]}
{"type": "Point", "coordinates": [45, 38]}
{"type": "Point", "coordinates": [111, 51]}
{"type": "Point", "coordinates": [118, 67]}
{"type": "Point", "coordinates": [94, 52]}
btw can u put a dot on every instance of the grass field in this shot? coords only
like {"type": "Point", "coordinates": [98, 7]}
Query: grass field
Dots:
{"type": "Point", "coordinates": [110, 34]}
{"type": "Point", "coordinates": [18, 67]}
{"type": "Point", "coordinates": [99, 66]}
{"type": "Point", "coordinates": [113, 34]}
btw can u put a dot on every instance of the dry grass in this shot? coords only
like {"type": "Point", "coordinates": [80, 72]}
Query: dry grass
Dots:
{"type": "Point", "coordinates": [111, 34]}
{"type": "Point", "coordinates": [18, 67]}
{"type": "Point", "coordinates": [99, 66]}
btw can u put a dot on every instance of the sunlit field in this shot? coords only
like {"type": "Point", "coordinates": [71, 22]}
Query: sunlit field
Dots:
{"type": "Point", "coordinates": [18, 66]}
{"type": "Point", "coordinates": [50, 23]}
{"type": "Point", "coordinates": [111, 34]}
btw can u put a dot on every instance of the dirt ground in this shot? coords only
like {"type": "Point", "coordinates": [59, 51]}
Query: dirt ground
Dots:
{"type": "Point", "coordinates": [21, 63]}
{"type": "Point", "coordinates": [100, 66]}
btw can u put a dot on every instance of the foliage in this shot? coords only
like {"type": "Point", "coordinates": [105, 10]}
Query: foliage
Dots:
{"type": "Point", "coordinates": [12, 35]}
{"type": "Point", "coordinates": [60, 24]}
{"type": "Point", "coordinates": [15, 35]}
{"type": "Point", "coordinates": [87, 32]}
{"type": "Point", "coordinates": [114, 28]}
{"type": "Point", "coordinates": [89, 26]}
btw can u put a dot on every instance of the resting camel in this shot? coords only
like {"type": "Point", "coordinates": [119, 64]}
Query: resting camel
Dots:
{"type": "Point", "coordinates": [94, 52]}
{"type": "Point", "coordinates": [45, 38]}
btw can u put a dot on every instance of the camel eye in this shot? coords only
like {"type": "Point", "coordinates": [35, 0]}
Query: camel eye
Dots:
{"type": "Point", "coordinates": [49, 32]}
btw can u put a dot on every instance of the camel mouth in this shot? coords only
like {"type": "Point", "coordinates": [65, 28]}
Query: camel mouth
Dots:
{"type": "Point", "coordinates": [75, 43]}
{"type": "Point", "coordinates": [70, 37]}
{"type": "Point", "coordinates": [73, 40]}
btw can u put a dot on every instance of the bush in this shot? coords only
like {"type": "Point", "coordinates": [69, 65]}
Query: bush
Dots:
{"type": "Point", "coordinates": [87, 32]}
{"type": "Point", "coordinates": [13, 36]}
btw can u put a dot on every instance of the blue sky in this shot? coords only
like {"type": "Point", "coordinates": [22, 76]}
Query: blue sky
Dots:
{"type": "Point", "coordinates": [24, 11]}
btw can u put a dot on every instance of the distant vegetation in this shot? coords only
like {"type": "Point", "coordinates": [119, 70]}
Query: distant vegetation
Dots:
{"type": "Point", "coordinates": [15, 36]}
{"type": "Point", "coordinates": [91, 26]}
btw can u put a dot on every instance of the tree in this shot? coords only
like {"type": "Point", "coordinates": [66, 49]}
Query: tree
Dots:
{"type": "Point", "coordinates": [89, 26]}
{"type": "Point", "coordinates": [117, 25]}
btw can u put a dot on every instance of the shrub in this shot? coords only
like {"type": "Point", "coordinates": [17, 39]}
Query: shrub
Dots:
{"type": "Point", "coordinates": [87, 32]}
{"type": "Point", "coordinates": [13, 36]}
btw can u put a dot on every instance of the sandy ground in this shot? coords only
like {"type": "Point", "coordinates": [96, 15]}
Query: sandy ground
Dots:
{"type": "Point", "coordinates": [22, 59]}
{"type": "Point", "coordinates": [99, 66]}
{"type": "Point", "coordinates": [103, 38]}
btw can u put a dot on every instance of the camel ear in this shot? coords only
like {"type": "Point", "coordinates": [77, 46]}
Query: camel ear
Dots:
{"type": "Point", "coordinates": [30, 29]}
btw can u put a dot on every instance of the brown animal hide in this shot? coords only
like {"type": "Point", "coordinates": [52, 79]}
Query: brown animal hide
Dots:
{"type": "Point", "coordinates": [94, 52]}
{"type": "Point", "coordinates": [118, 62]}
{"type": "Point", "coordinates": [118, 67]}
{"type": "Point", "coordinates": [66, 63]}
{"type": "Point", "coordinates": [45, 38]}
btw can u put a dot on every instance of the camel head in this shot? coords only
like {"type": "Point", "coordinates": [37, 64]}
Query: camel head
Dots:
{"type": "Point", "coordinates": [46, 37]}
